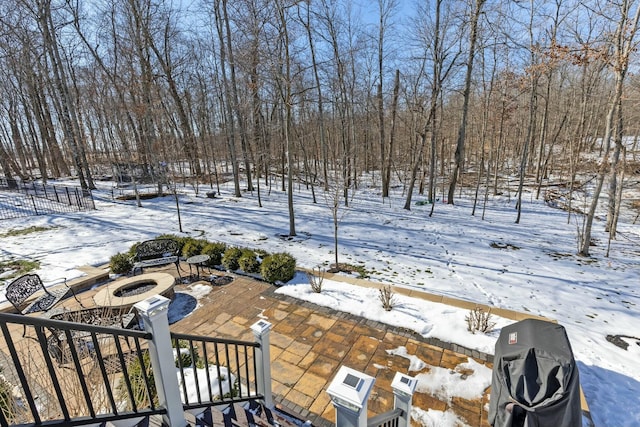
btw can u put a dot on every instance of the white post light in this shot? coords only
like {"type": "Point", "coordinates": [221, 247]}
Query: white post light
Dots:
{"type": "Point", "coordinates": [349, 392]}
{"type": "Point", "coordinates": [403, 387]}
{"type": "Point", "coordinates": [261, 331]}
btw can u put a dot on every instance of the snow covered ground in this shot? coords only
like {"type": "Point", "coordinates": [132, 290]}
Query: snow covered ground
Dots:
{"type": "Point", "coordinates": [529, 267]}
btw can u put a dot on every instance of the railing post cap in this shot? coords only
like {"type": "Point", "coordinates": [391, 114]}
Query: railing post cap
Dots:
{"type": "Point", "coordinates": [404, 384]}
{"type": "Point", "coordinates": [152, 305]}
{"type": "Point", "coordinates": [350, 388]}
{"type": "Point", "coordinates": [260, 327]}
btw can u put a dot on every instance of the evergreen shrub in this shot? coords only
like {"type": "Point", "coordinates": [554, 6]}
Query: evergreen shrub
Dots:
{"type": "Point", "coordinates": [215, 250]}
{"type": "Point", "coordinates": [193, 247]}
{"type": "Point", "coordinates": [120, 263]}
{"type": "Point", "coordinates": [248, 261]}
{"type": "Point", "coordinates": [231, 257]}
{"type": "Point", "coordinates": [279, 267]}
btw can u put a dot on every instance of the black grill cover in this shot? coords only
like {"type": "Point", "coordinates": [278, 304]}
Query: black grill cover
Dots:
{"type": "Point", "coordinates": [535, 379]}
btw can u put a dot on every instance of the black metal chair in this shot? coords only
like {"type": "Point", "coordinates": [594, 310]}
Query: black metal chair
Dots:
{"type": "Point", "coordinates": [24, 287]}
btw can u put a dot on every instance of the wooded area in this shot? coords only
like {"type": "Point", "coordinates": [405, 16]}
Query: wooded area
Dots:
{"type": "Point", "coordinates": [433, 94]}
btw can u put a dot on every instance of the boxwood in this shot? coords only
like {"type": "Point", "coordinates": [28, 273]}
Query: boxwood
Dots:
{"type": "Point", "coordinates": [278, 267]}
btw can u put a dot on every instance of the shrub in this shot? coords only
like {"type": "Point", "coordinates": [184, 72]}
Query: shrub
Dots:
{"type": "Point", "coordinates": [136, 377]}
{"type": "Point", "coordinates": [387, 298]}
{"type": "Point", "coordinates": [479, 320]}
{"type": "Point", "coordinates": [279, 267]}
{"type": "Point", "coordinates": [120, 263]}
{"type": "Point", "coordinates": [316, 277]}
{"type": "Point", "coordinates": [231, 257]}
{"type": "Point", "coordinates": [248, 261]}
{"type": "Point", "coordinates": [132, 250]}
{"type": "Point", "coordinates": [8, 404]}
{"type": "Point", "coordinates": [185, 358]}
{"type": "Point", "coordinates": [193, 247]}
{"type": "Point", "coordinates": [215, 251]}
{"type": "Point", "coordinates": [262, 254]}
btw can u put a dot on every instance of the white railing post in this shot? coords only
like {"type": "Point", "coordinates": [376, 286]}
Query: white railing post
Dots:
{"type": "Point", "coordinates": [349, 392]}
{"type": "Point", "coordinates": [154, 313]}
{"type": "Point", "coordinates": [261, 331]}
{"type": "Point", "coordinates": [403, 387]}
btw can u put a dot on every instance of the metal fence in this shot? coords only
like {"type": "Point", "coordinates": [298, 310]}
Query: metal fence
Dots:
{"type": "Point", "coordinates": [64, 373]}
{"type": "Point", "coordinates": [19, 199]}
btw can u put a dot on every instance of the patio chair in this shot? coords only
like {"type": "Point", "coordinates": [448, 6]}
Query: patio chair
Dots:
{"type": "Point", "coordinates": [60, 348]}
{"type": "Point", "coordinates": [24, 287]}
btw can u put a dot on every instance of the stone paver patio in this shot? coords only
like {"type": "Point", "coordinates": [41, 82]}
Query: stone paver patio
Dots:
{"type": "Point", "coordinates": [309, 343]}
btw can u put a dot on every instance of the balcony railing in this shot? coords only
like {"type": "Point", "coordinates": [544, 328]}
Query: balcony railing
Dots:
{"type": "Point", "coordinates": [388, 419]}
{"type": "Point", "coordinates": [75, 374]}
{"type": "Point", "coordinates": [227, 370]}
{"type": "Point", "coordinates": [72, 374]}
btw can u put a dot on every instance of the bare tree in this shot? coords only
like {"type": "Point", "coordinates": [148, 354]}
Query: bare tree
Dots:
{"type": "Point", "coordinates": [438, 51]}
{"type": "Point", "coordinates": [386, 9]}
{"type": "Point", "coordinates": [284, 86]}
{"type": "Point", "coordinates": [459, 155]}
{"type": "Point", "coordinates": [623, 44]}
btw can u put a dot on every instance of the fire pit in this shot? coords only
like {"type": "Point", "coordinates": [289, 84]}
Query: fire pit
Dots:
{"type": "Point", "coordinates": [125, 293]}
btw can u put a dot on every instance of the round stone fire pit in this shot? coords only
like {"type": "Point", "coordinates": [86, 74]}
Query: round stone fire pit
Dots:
{"type": "Point", "coordinates": [125, 293]}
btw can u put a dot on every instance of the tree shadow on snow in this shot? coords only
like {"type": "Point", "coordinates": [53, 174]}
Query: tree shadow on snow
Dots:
{"type": "Point", "coordinates": [612, 397]}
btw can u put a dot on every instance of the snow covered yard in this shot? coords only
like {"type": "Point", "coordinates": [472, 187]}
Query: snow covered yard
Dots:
{"type": "Point", "coordinates": [529, 267]}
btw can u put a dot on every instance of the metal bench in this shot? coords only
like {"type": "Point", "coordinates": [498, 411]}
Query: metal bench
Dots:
{"type": "Point", "coordinates": [157, 252]}
{"type": "Point", "coordinates": [21, 290]}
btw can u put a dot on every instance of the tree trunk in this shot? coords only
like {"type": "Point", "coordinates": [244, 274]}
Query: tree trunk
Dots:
{"type": "Point", "coordinates": [459, 154]}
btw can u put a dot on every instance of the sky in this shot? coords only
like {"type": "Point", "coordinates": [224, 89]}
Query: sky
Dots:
{"type": "Point", "coordinates": [529, 267]}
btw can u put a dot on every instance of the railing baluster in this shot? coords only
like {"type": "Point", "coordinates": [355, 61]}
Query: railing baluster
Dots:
{"type": "Point", "coordinates": [229, 368]}
{"type": "Point", "coordinates": [83, 385]}
{"type": "Point", "coordinates": [215, 346]}
{"type": "Point", "coordinates": [246, 369]}
{"type": "Point", "coordinates": [255, 370]}
{"type": "Point", "coordinates": [105, 375]}
{"type": "Point", "coordinates": [205, 355]}
{"type": "Point", "coordinates": [195, 371]}
{"type": "Point", "coordinates": [134, 405]}
{"type": "Point", "coordinates": [176, 345]}
{"type": "Point", "coordinates": [21, 375]}
{"type": "Point", "coordinates": [238, 371]}
{"type": "Point", "coordinates": [54, 378]}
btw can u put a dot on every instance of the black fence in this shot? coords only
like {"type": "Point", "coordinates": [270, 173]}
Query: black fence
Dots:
{"type": "Point", "coordinates": [72, 374]}
{"type": "Point", "coordinates": [19, 199]}
{"type": "Point", "coordinates": [60, 373]}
